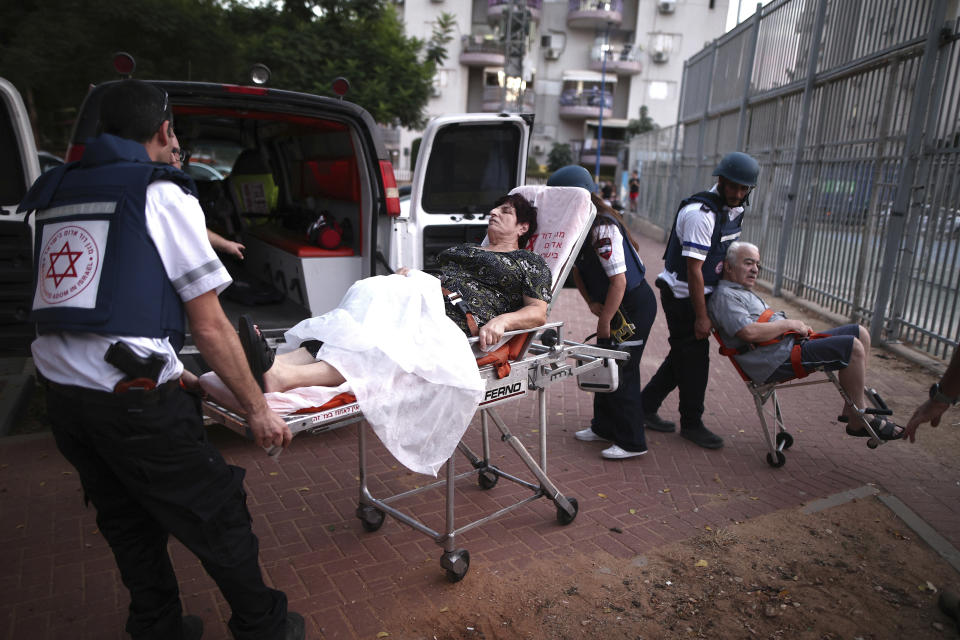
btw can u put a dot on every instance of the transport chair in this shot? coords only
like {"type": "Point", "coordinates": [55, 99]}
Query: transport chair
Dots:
{"type": "Point", "coordinates": [768, 405]}
{"type": "Point", "coordinates": [535, 359]}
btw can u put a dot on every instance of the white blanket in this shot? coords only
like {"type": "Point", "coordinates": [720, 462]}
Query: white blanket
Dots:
{"type": "Point", "coordinates": [410, 367]}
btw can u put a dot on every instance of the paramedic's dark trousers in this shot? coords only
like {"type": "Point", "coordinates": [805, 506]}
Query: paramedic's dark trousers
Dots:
{"type": "Point", "coordinates": [686, 366]}
{"type": "Point", "coordinates": [145, 463]}
{"type": "Point", "coordinates": [618, 416]}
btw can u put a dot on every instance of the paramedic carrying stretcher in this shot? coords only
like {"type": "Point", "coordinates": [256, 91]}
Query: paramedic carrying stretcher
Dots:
{"type": "Point", "coordinates": [121, 254]}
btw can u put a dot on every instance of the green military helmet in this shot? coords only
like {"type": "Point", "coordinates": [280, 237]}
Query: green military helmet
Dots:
{"type": "Point", "coordinates": [738, 167]}
{"type": "Point", "coordinates": [572, 175]}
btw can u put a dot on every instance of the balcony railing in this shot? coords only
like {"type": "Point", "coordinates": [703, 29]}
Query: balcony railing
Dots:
{"type": "Point", "coordinates": [608, 151]}
{"type": "Point", "coordinates": [594, 13]}
{"type": "Point", "coordinates": [624, 59]}
{"type": "Point", "coordinates": [481, 51]}
{"type": "Point", "coordinates": [496, 8]}
{"type": "Point", "coordinates": [586, 103]}
{"type": "Point", "coordinates": [493, 100]}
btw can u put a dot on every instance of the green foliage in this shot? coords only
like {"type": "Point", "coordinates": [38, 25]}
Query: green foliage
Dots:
{"type": "Point", "coordinates": [51, 50]}
{"type": "Point", "coordinates": [643, 124]}
{"type": "Point", "coordinates": [560, 156]}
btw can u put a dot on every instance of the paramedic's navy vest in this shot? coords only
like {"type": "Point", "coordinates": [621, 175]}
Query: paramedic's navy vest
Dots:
{"type": "Point", "coordinates": [725, 231]}
{"type": "Point", "coordinates": [595, 278]}
{"type": "Point", "coordinates": [91, 224]}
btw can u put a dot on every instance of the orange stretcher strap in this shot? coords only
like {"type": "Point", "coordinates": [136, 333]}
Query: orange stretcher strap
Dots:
{"type": "Point", "coordinates": [500, 358]}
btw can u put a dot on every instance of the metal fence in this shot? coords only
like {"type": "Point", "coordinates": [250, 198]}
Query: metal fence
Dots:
{"type": "Point", "coordinates": [852, 108]}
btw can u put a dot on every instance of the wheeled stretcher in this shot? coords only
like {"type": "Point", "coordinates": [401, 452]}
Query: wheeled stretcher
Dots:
{"type": "Point", "coordinates": [768, 408]}
{"type": "Point", "coordinates": [540, 357]}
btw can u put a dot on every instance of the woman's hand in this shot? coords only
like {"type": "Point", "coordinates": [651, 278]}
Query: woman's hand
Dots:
{"type": "Point", "coordinates": [491, 333]}
{"type": "Point", "coordinates": [402, 271]}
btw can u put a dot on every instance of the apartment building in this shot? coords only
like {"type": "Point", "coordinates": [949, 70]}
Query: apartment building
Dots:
{"type": "Point", "coordinates": [579, 65]}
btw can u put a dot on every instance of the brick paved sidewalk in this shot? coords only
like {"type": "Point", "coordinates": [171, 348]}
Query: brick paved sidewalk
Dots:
{"type": "Point", "coordinates": [58, 578]}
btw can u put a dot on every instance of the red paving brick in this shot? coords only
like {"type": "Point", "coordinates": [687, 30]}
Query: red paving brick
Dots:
{"type": "Point", "coordinates": [59, 579]}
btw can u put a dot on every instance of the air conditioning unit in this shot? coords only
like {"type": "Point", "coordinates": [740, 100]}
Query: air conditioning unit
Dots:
{"type": "Point", "coordinates": [660, 55]}
{"type": "Point", "coordinates": [552, 46]}
{"type": "Point", "coordinates": [666, 6]}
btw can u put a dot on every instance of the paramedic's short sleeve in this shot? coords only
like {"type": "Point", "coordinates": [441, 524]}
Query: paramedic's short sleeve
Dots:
{"type": "Point", "coordinates": [536, 278]}
{"type": "Point", "coordinates": [608, 245]}
{"type": "Point", "coordinates": [176, 225]}
{"type": "Point", "coordinates": [695, 230]}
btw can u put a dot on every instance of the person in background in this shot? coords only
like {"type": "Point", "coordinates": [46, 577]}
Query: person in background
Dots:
{"type": "Point", "coordinates": [634, 188]}
{"type": "Point", "coordinates": [610, 276]}
{"type": "Point", "coordinates": [943, 395]}
{"type": "Point", "coordinates": [217, 241]}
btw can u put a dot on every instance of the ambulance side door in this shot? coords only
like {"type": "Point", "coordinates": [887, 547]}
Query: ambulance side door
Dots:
{"type": "Point", "coordinates": [19, 167]}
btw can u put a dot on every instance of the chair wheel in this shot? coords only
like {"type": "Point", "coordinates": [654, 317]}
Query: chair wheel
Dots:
{"type": "Point", "coordinates": [487, 480]}
{"type": "Point", "coordinates": [777, 462]}
{"type": "Point", "coordinates": [371, 518]}
{"type": "Point", "coordinates": [784, 440]}
{"type": "Point", "coordinates": [457, 563]}
{"type": "Point", "coordinates": [872, 443]}
{"type": "Point", "coordinates": [565, 518]}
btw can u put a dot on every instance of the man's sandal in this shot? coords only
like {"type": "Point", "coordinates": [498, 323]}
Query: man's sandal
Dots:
{"type": "Point", "coordinates": [255, 348]}
{"type": "Point", "coordinates": [885, 429]}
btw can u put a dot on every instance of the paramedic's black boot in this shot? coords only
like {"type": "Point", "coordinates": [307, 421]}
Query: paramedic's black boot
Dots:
{"type": "Point", "coordinates": [655, 423]}
{"type": "Point", "coordinates": [296, 628]}
{"type": "Point", "coordinates": [702, 436]}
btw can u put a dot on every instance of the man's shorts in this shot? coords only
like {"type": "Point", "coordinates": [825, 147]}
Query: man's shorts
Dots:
{"type": "Point", "coordinates": [828, 354]}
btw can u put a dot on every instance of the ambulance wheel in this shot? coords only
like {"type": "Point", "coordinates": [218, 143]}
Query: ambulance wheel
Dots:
{"type": "Point", "coordinates": [872, 443]}
{"type": "Point", "coordinates": [784, 440]}
{"type": "Point", "coordinates": [777, 462]}
{"type": "Point", "coordinates": [487, 480]}
{"type": "Point", "coordinates": [565, 518]}
{"type": "Point", "coordinates": [371, 518]}
{"type": "Point", "coordinates": [457, 563]}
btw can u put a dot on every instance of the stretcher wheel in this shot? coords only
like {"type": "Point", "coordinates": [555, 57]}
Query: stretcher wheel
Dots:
{"type": "Point", "coordinates": [784, 440]}
{"type": "Point", "coordinates": [873, 443]}
{"type": "Point", "coordinates": [565, 518]}
{"type": "Point", "coordinates": [457, 563]}
{"type": "Point", "coordinates": [370, 517]}
{"type": "Point", "coordinates": [487, 480]}
{"type": "Point", "coordinates": [777, 462]}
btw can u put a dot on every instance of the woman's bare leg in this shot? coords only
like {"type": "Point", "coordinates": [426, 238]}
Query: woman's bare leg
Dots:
{"type": "Point", "coordinates": [299, 357]}
{"type": "Point", "coordinates": [283, 376]}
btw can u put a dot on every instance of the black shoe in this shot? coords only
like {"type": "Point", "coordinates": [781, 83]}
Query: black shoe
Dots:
{"type": "Point", "coordinates": [656, 423]}
{"type": "Point", "coordinates": [702, 436]}
{"type": "Point", "coordinates": [949, 602]}
{"type": "Point", "coordinates": [192, 628]}
{"type": "Point", "coordinates": [296, 628]}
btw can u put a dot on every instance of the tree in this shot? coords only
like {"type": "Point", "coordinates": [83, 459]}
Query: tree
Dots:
{"type": "Point", "coordinates": [560, 156]}
{"type": "Point", "coordinates": [642, 125]}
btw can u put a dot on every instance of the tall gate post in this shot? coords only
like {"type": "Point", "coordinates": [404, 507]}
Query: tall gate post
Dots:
{"type": "Point", "coordinates": [787, 233]}
{"type": "Point", "coordinates": [911, 152]}
{"type": "Point", "coordinates": [754, 37]}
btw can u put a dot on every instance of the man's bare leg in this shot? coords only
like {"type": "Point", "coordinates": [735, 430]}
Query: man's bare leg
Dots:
{"type": "Point", "coordinates": [852, 379]}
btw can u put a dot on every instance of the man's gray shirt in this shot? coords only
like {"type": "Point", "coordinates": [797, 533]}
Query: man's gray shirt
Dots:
{"type": "Point", "coordinates": [731, 308]}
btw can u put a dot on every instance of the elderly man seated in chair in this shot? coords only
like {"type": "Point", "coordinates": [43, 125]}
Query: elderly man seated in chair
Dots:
{"type": "Point", "coordinates": [762, 341]}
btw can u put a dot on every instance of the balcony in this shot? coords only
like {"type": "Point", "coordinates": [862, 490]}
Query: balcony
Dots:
{"type": "Point", "coordinates": [608, 152]}
{"type": "Point", "coordinates": [481, 51]}
{"type": "Point", "coordinates": [623, 59]}
{"type": "Point", "coordinates": [581, 95]}
{"type": "Point", "coordinates": [594, 14]}
{"type": "Point", "coordinates": [493, 100]}
{"type": "Point", "coordinates": [497, 8]}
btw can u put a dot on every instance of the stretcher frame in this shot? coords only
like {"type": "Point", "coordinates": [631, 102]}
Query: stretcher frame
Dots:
{"type": "Point", "coordinates": [775, 433]}
{"type": "Point", "coordinates": [539, 365]}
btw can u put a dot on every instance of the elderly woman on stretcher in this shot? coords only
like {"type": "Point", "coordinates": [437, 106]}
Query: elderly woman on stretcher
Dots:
{"type": "Point", "coordinates": [397, 342]}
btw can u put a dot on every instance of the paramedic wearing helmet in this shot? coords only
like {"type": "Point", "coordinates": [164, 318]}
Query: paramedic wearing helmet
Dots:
{"type": "Point", "coordinates": [610, 276]}
{"type": "Point", "coordinates": [705, 225]}
{"type": "Point", "coordinates": [121, 255]}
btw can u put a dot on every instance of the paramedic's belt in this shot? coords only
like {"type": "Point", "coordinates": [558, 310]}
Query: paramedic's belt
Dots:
{"type": "Point", "coordinates": [621, 329]}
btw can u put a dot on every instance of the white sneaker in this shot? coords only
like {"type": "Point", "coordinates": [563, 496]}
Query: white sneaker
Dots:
{"type": "Point", "coordinates": [614, 452]}
{"type": "Point", "coordinates": [587, 435]}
